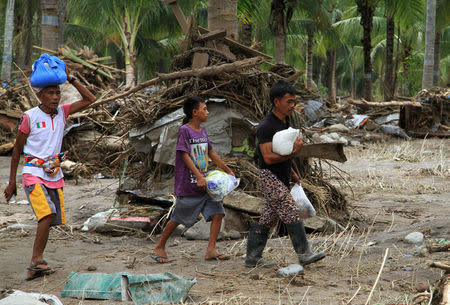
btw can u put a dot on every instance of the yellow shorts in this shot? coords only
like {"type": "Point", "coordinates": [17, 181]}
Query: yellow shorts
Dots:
{"type": "Point", "coordinates": [46, 201]}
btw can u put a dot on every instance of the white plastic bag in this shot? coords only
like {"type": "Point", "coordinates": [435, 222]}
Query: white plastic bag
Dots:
{"type": "Point", "coordinates": [219, 184]}
{"type": "Point", "coordinates": [283, 141]}
{"type": "Point", "coordinates": [305, 208]}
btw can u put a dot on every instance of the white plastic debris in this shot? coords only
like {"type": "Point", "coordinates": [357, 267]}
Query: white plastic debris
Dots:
{"type": "Point", "coordinates": [25, 298]}
{"type": "Point", "coordinates": [98, 221]}
{"type": "Point", "coordinates": [290, 270]}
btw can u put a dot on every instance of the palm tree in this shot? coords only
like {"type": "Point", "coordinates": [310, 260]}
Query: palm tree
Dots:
{"type": "Point", "coordinates": [400, 12]}
{"type": "Point", "coordinates": [281, 12]}
{"type": "Point", "coordinates": [428, 62]}
{"type": "Point", "coordinates": [222, 15]}
{"type": "Point", "coordinates": [7, 43]}
{"type": "Point", "coordinates": [367, 8]}
{"type": "Point", "coordinates": [50, 25]}
{"type": "Point", "coordinates": [442, 22]}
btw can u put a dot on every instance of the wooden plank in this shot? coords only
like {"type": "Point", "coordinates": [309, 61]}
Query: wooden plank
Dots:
{"type": "Point", "coordinates": [330, 151]}
{"type": "Point", "coordinates": [238, 45]}
{"type": "Point", "coordinates": [178, 14]}
{"type": "Point", "coordinates": [200, 60]}
{"type": "Point", "coordinates": [217, 34]}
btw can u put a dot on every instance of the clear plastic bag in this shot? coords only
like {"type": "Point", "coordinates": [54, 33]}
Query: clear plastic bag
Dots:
{"type": "Point", "coordinates": [219, 184]}
{"type": "Point", "coordinates": [305, 208]}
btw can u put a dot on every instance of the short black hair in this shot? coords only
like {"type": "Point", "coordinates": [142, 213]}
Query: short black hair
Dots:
{"type": "Point", "coordinates": [191, 103]}
{"type": "Point", "coordinates": [280, 89]}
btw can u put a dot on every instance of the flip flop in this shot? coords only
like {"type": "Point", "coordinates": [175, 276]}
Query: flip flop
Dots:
{"type": "Point", "coordinates": [159, 259]}
{"type": "Point", "coordinates": [35, 267]}
{"type": "Point", "coordinates": [40, 274]}
{"type": "Point", "coordinates": [218, 257]}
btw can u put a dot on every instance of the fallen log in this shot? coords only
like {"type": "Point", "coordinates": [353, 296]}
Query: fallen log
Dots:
{"type": "Point", "coordinates": [384, 104]}
{"type": "Point", "coordinates": [330, 151]}
{"type": "Point", "coordinates": [207, 71]}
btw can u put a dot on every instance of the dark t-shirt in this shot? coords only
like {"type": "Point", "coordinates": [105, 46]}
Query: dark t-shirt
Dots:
{"type": "Point", "coordinates": [265, 131]}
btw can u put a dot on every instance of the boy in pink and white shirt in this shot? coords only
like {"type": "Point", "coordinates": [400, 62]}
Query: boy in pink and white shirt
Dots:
{"type": "Point", "coordinates": [40, 137]}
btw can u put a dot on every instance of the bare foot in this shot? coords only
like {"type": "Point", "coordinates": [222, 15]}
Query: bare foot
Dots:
{"type": "Point", "coordinates": [161, 255]}
{"type": "Point", "coordinates": [214, 255]}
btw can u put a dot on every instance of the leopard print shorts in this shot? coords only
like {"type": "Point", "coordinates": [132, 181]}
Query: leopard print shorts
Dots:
{"type": "Point", "coordinates": [279, 203]}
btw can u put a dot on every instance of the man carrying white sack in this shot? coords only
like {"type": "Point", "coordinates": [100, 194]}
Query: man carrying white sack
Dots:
{"type": "Point", "coordinates": [275, 174]}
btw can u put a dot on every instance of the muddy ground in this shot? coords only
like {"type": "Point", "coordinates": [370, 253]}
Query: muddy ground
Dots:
{"type": "Point", "coordinates": [393, 188]}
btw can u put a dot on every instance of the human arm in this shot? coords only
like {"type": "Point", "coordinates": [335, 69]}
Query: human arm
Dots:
{"type": "Point", "coordinates": [219, 162]}
{"type": "Point", "coordinates": [295, 177]}
{"type": "Point", "coordinates": [87, 97]}
{"type": "Point", "coordinates": [11, 189]}
{"type": "Point", "coordinates": [273, 158]}
{"type": "Point", "coordinates": [201, 181]}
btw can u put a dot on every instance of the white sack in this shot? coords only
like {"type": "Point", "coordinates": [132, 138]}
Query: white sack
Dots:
{"type": "Point", "coordinates": [283, 141]}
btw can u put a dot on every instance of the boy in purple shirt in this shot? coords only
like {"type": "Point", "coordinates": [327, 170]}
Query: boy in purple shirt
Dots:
{"type": "Point", "coordinates": [191, 165]}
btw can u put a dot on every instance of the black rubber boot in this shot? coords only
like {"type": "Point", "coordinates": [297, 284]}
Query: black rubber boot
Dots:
{"type": "Point", "coordinates": [300, 243]}
{"type": "Point", "coordinates": [256, 242]}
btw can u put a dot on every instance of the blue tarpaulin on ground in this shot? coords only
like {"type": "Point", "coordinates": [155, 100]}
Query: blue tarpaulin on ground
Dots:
{"type": "Point", "coordinates": [144, 288]}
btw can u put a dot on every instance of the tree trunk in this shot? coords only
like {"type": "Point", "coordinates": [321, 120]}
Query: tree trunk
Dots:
{"type": "Point", "coordinates": [278, 25]}
{"type": "Point", "coordinates": [309, 60]}
{"type": "Point", "coordinates": [428, 62]}
{"type": "Point", "coordinates": [27, 38]}
{"type": "Point", "coordinates": [366, 9]}
{"type": "Point", "coordinates": [437, 60]}
{"type": "Point", "coordinates": [61, 21]}
{"type": "Point", "coordinates": [49, 25]}
{"type": "Point", "coordinates": [129, 52]}
{"type": "Point", "coordinates": [18, 29]}
{"type": "Point", "coordinates": [388, 75]}
{"type": "Point", "coordinates": [332, 93]}
{"type": "Point", "coordinates": [222, 15]}
{"type": "Point", "coordinates": [7, 43]}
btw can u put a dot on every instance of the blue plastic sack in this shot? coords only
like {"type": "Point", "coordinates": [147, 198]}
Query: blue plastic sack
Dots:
{"type": "Point", "coordinates": [48, 71]}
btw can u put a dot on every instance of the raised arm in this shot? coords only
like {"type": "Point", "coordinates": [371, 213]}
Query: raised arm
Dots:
{"type": "Point", "coordinates": [87, 97]}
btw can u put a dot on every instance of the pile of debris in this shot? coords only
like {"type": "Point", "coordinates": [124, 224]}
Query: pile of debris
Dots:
{"type": "Point", "coordinates": [432, 118]}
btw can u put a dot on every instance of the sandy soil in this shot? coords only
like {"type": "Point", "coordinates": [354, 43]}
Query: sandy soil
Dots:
{"type": "Point", "coordinates": [397, 187]}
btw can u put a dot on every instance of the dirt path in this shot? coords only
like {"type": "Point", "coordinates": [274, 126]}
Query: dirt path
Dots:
{"type": "Point", "coordinates": [398, 187]}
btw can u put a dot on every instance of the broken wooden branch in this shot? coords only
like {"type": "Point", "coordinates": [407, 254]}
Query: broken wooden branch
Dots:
{"type": "Point", "coordinates": [207, 71]}
{"type": "Point", "coordinates": [235, 44]}
{"type": "Point", "coordinates": [384, 104]}
{"type": "Point", "coordinates": [6, 148]}
{"type": "Point", "coordinates": [441, 265]}
{"type": "Point", "coordinates": [217, 34]}
{"type": "Point", "coordinates": [330, 151]}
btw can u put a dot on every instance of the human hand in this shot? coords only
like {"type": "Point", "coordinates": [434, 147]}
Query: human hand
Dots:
{"type": "Point", "coordinates": [10, 190]}
{"type": "Point", "coordinates": [298, 144]}
{"type": "Point", "coordinates": [201, 183]}
{"type": "Point", "coordinates": [230, 172]}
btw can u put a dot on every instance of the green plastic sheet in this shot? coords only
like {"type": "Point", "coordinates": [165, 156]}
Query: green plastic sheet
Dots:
{"type": "Point", "coordinates": [144, 288]}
